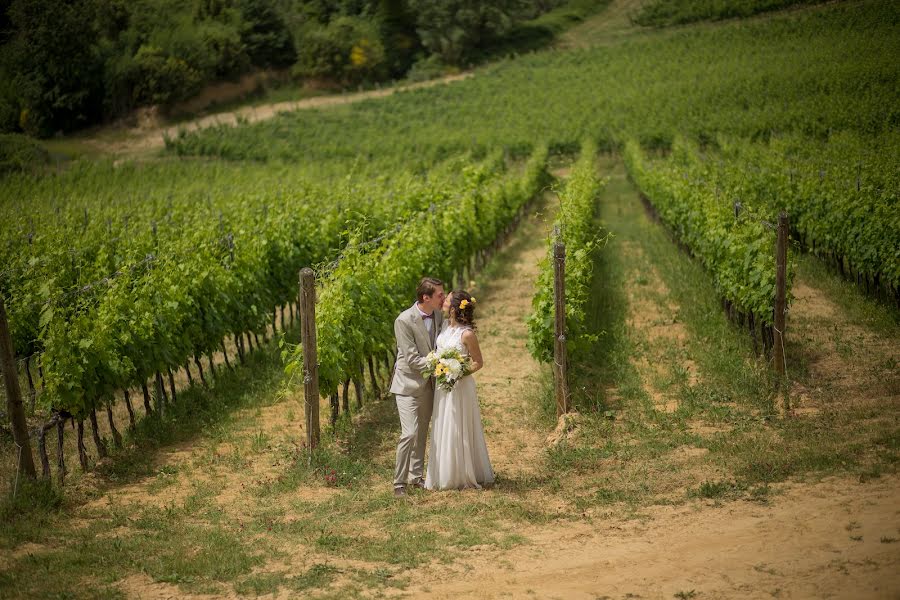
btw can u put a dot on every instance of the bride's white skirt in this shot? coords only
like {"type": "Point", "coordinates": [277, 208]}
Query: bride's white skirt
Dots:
{"type": "Point", "coordinates": [458, 456]}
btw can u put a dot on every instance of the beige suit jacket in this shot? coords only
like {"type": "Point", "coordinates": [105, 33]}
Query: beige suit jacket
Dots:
{"type": "Point", "coordinates": [413, 345]}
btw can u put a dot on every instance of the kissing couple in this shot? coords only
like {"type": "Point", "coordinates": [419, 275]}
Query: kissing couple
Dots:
{"type": "Point", "coordinates": [437, 352]}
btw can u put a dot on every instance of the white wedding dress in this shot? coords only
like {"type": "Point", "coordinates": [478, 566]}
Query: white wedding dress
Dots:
{"type": "Point", "coordinates": [458, 456]}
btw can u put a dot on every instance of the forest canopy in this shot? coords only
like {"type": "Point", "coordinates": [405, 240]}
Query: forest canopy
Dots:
{"type": "Point", "coordinates": [65, 64]}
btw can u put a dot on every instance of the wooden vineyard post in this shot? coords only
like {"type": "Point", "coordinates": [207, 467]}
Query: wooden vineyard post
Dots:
{"type": "Point", "coordinates": [310, 359]}
{"type": "Point", "coordinates": [560, 364]}
{"type": "Point", "coordinates": [24, 459]}
{"type": "Point", "coordinates": [780, 293]}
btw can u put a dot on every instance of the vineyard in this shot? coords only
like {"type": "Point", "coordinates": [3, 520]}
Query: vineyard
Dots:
{"type": "Point", "coordinates": [804, 79]}
{"type": "Point", "coordinates": [734, 243]}
{"type": "Point", "coordinates": [150, 289]}
{"type": "Point", "coordinates": [449, 239]}
{"type": "Point", "coordinates": [842, 195]}
{"type": "Point", "coordinates": [704, 220]}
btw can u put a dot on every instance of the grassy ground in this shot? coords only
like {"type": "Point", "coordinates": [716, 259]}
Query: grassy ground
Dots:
{"type": "Point", "coordinates": [612, 25]}
{"type": "Point", "coordinates": [681, 404]}
{"type": "Point", "coordinates": [80, 532]}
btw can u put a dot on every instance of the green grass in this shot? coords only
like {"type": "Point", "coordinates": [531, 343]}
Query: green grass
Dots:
{"type": "Point", "coordinates": [856, 307]}
{"type": "Point", "coordinates": [20, 153]}
{"type": "Point", "coordinates": [169, 545]}
{"type": "Point", "coordinates": [196, 544]}
{"type": "Point", "coordinates": [712, 342]}
{"type": "Point", "coordinates": [163, 543]}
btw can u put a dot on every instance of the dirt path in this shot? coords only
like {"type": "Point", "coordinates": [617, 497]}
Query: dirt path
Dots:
{"type": "Point", "coordinates": [611, 25]}
{"type": "Point", "coordinates": [816, 541]}
{"type": "Point", "coordinates": [140, 140]}
{"type": "Point", "coordinates": [511, 376]}
{"type": "Point", "coordinates": [653, 318]}
{"type": "Point", "coordinates": [847, 361]}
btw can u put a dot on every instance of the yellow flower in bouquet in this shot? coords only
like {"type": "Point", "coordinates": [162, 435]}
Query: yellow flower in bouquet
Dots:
{"type": "Point", "coordinates": [447, 366]}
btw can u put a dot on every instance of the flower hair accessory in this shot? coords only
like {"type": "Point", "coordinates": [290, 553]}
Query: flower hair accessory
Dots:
{"type": "Point", "coordinates": [464, 303]}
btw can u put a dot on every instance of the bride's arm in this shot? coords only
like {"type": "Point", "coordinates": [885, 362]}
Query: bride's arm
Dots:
{"type": "Point", "coordinates": [470, 341]}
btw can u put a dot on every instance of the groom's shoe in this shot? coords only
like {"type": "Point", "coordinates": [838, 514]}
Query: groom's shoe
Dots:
{"type": "Point", "coordinates": [419, 484]}
{"type": "Point", "coordinates": [399, 492]}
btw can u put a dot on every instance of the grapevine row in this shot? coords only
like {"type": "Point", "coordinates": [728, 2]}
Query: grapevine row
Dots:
{"type": "Point", "coordinates": [359, 298]}
{"type": "Point", "coordinates": [696, 198]}
{"type": "Point", "coordinates": [578, 230]}
{"type": "Point", "coordinates": [843, 196]}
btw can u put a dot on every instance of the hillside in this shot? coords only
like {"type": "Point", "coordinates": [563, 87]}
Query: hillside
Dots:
{"type": "Point", "coordinates": [726, 186]}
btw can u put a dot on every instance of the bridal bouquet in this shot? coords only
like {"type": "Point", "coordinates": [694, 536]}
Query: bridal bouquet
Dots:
{"type": "Point", "coordinates": [448, 366]}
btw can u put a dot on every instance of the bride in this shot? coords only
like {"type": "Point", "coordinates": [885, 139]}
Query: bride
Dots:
{"type": "Point", "coordinates": [458, 456]}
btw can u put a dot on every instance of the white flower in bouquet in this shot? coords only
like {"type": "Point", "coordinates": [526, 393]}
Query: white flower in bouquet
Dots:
{"type": "Point", "coordinates": [447, 367]}
{"type": "Point", "coordinates": [453, 365]}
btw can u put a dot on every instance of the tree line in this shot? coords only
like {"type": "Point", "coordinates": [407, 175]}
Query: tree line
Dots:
{"type": "Point", "coordinates": [65, 64]}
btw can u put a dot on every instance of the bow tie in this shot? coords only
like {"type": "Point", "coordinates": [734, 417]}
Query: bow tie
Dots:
{"type": "Point", "coordinates": [431, 316]}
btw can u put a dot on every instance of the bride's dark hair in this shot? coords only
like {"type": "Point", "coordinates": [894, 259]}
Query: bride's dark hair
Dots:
{"type": "Point", "coordinates": [464, 316]}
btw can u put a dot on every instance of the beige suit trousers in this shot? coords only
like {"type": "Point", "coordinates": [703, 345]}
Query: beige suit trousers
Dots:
{"type": "Point", "coordinates": [415, 416]}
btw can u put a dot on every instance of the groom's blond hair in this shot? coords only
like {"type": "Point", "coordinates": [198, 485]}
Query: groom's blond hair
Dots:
{"type": "Point", "coordinates": [427, 287]}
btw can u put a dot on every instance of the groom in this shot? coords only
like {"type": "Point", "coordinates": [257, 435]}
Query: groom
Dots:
{"type": "Point", "coordinates": [416, 330]}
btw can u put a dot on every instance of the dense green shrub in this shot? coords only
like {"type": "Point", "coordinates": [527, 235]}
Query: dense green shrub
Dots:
{"type": "Point", "coordinates": [9, 102]}
{"type": "Point", "coordinates": [161, 79]}
{"type": "Point", "coordinates": [431, 67]}
{"type": "Point", "coordinates": [348, 50]}
{"type": "Point", "coordinates": [398, 33]}
{"type": "Point", "coordinates": [212, 48]}
{"type": "Point", "coordinates": [454, 29]}
{"type": "Point", "coordinates": [265, 35]}
{"type": "Point", "coordinates": [20, 153]}
{"type": "Point", "coordinates": [55, 68]}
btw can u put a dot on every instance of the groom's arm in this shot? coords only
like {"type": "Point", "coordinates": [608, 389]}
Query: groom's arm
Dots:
{"type": "Point", "coordinates": [407, 344]}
